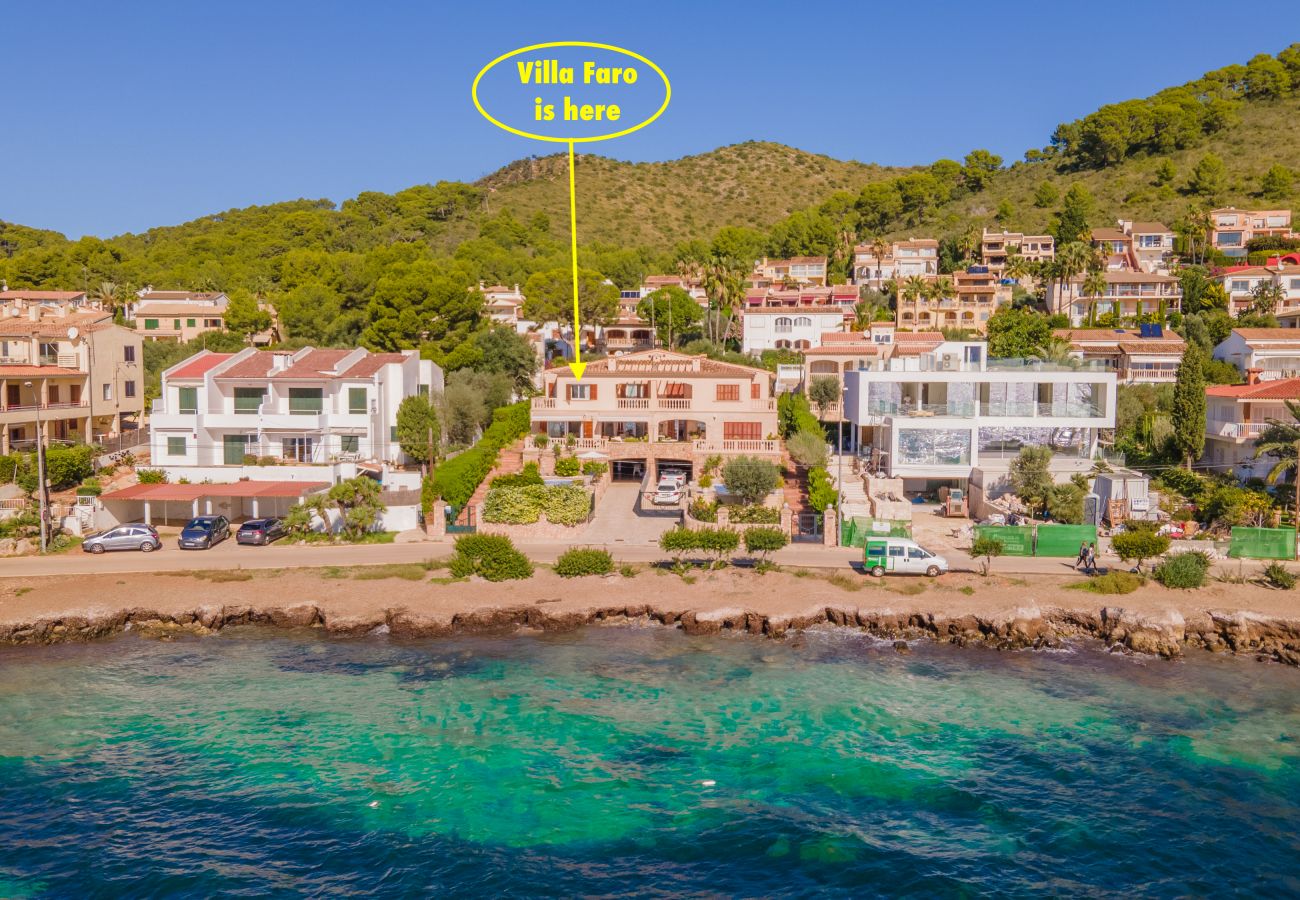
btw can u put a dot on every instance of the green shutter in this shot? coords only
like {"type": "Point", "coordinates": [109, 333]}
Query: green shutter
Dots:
{"type": "Point", "coordinates": [306, 401]}
{"type": "Point", "coordinates": [189, 323]}
{"type": "Point", "coordinates": [247, 400]}
{"type": "Point", "coordinates": [150, 324]}
{"type": "Point", "coordinates": [176, 446]}
{"type": "Point", "coordinates": [233, 447]}
{"type": "Point", "coordinates": [189, 400]}
{"type": "Point", "coordinates": [176, 324]}
{"type": "Point", "coordinates": [357, 401]}
{"type": "Point", "coordinates": [349, 443]}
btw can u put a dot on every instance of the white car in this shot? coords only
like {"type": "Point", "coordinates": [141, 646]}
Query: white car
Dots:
{"type": "Point", "coordinates": [668, 493]}
{"type": "Point", "coordinates": [677, 478]}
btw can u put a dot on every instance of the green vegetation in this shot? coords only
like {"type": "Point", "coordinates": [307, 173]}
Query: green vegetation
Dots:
{"type": "Point", "coordinates": [1279, 576]}
{"type": "Point", "coordinates": [456, 479]}
{"type": "Point", "coordinates": [418, 431]}
{"type": "Point", "coordinates": [579, 561]}
{"type": "Point", "coordinates": [151, 476]}
{"type": "Point", "coordinates": [1139, 544]}
{"type": "Point", "coordinates": [492, 557]}
{"type": "Point", "coordinates": [751, 479]}
{"type": "Point", "coordinates": [680, 541]}
{"type": "Point", "coordinates": [355, 504]}
{"type": "Point", "coordinates": [988, 548]}
{"type": "Point", "coordinates": [1182, 570]}
{"type": "Point", "coordinates": [523, 505]}
{"type": "Point", "coordinates": [764, 541]}
{"type": "Point", "coordinates": [808, 449]}
{"type": "Point", "coordinates": [1110, 583]}
{"type": "Point", "coordinates": [821, 490]}
{"type": "Point", "coordinates": [567, 466]}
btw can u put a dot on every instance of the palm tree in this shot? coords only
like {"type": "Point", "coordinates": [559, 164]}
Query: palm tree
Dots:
{"type": "Point", "coordinates": [1281, 440]}
{"type": "Point", "coordinates": [1094, 286]}
{"type": "Point", "coordinates": [1071, 260]}
{"type": "Point", "coordinates": [879, 247]}
{"type": "Point", "coordinates": [109, 295]}
{"type": "Point", "coordinates": [913, 289]}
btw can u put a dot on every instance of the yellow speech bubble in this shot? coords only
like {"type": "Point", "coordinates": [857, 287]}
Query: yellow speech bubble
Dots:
{"type": "Point", "coordinates": [668, 92]}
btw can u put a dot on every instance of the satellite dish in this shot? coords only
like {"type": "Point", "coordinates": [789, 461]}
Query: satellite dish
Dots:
{"type": "Point", "coordinates": [73, 332]}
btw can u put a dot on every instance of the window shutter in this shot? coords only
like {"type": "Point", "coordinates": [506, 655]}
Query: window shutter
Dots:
{"type": "Point", "coordinates": [593, 392]}
{"type": "Point", "coordinates": [753, 391]}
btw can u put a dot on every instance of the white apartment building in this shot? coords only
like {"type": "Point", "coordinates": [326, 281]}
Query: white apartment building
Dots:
{"type": "Point", "coordinates": [995, 246]}
{"type": "Point", "coordinates": [503, 304]}
{"type": "Point", "coordinates": [1236, 415]}
{"type": "Point", "coordinates": [1273, 353]}
{"type": "Point", "coordinates": [937, 417]}
{"type": "Point", "coordinates": [303, 406]}
{"type": "Point", "coordinates": [1240, 283]}
{"type": "Point", "coordinates": [789, 328]}
{"type": "Point", "coordinates": [1127, 295]}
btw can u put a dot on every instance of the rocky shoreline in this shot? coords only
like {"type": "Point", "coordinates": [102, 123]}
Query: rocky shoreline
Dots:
{"type": "Point", "coordinates": [1168, 634]}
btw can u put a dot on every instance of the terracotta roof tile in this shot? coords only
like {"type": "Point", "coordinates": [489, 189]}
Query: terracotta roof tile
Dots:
{"type": "Point", "coordinates": [255, 365]}
{"type": "Point", "coordinates": [41, 295]}
{"type": "Point", "coordinates": [314, 364]}
{"type": "Point", "coordinates": [22, 371]}
{"type": "Point", "coordinates": [1282, 389]}
{"type": "Point", "coordinates": [199, 365]}
{"type": "Point", "coordinates": [372, 363]}
{"type": "Point", "coordinates": [54, 326]}
{"type": "Point", "coordinates": [1251, 335]}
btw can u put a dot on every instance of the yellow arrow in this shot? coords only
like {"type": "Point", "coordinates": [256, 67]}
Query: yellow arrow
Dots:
{"type": "Point", "coordinates": [577, 366]}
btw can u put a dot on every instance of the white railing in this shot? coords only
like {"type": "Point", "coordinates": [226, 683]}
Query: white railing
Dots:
{"type": "Point", "coordinates": [543, 403]}
{"type": "Point", "coordinates": [633, 403]}
{"type": "Point", "coordinates": [1231, 429]}
{"type": "Point", "coordinates": [739, 446]}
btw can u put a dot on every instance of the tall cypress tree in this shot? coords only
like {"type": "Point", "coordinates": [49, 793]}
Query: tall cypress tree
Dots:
{"type": "Point", "coordinates": [1188, 413]}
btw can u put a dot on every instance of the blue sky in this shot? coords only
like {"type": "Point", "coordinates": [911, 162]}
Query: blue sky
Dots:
{"type": "Point", "coordinates": [121, 116]}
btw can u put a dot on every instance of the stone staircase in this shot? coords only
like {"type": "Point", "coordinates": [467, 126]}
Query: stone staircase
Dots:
{"type": "Point", "coordinates": [509, 462]}
{"type": "Point", "coordinates": [855, 494]}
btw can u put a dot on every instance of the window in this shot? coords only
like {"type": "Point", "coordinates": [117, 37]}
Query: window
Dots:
{"type": "Point", "coordinates": [357, 401]}
{"type": "Point", "coordinates": [150, 324]}
{"type": "Point", "coordinates": [803, 322]}
{"type": "Point", "coordinates": [128, 388]}
{"type": "Point", "coordinates": [128, 354]}
{"type": "Point", "coordinates": [211, 323]}
{"type": "Point", "coordinates": [349, 443]}
{"type": "Point", "coordinates": [933, 447]}
{"type": "Point", "coordinates": [783, 323]}
{"type": "Point", "coordinates": [728, 392]}
{"type": "Point", "coordinates": [176, 446]}
{"type": "Point", "coordinates": [392, 433]}
{"type": "Point", "coordinates": [422, 390]}
{"type": "Point", "coordinates": [306, 401]}
{"type": "Point", "coordinates": [916, 553]}
{"type": "Point", "coordinates": [582, 392]}
{"type": "Point", "coordinates": [188, 400]}
{"type": "Point", "coordinates": [108, 391]}
{"type": "Point", "coordinates": [1241, 286]}
{"type": "Point", "coordinates": [742, 431]}
{"type": "Point", "coordinates": [297, 449]}
{"type": "Point", "coordinates": [176, 324]}
{"type": "Point", "coordinates": [895, 551]}
{"type": "Point", "coordinates": [248, 400]}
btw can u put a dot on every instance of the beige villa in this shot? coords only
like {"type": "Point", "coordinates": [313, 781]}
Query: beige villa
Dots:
{"type": "Point", "coordinates": [659, 405]}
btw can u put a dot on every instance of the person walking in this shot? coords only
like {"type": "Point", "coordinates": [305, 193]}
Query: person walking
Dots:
{"type": "Point", "coordinates": [1090, 560]}
{"type": "Point", "coordinates": [1083, 555]}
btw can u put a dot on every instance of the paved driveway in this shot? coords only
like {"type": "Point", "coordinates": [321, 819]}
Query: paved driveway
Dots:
{"type": "Point", "coordinates": [620, 520]}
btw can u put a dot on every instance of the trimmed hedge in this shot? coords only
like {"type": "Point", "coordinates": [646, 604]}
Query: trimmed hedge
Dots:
{"type": "Point", "coordinates": [489, 556]}
{"type": "Point", "coordinates": [578, 561]}
{"type": "Point", "coordinates": [563, 504]}
{"type": "Point", "coordinates": [755, 515]}
{"type": "Point", "coordinates": [456, 479]}
{"type": "Point", "coordinates": [567, 466]}
{"type": "Point", "coordinates": [679, 541]}
{"type": "Point", "coordinates": [762, 541]}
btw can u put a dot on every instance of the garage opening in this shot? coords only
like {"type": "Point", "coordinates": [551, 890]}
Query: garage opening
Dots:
{"type": "Point", "coordinates": [628, 470]}
{"type": "Point", "coordinates": [673, 466]}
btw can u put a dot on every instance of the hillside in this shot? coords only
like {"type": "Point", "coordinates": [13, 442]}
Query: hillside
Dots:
{"type": "Point", "coordinates": [662, 204]}
{"type": "Point", "coordinates": [1265, 136]}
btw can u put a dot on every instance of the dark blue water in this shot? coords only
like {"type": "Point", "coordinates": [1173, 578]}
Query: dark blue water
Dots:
{"type": "Point", "coordinates": [640, 762]}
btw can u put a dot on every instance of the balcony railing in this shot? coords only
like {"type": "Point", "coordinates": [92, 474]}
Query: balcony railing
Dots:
{"type": "Point", "coordinates": [24, 407]}
{"type": "Point", "coordinates": [653, 403]}
{"type": "Point", "coordinates": [633, 403]}
{"type": "Point", "coordinates": [1236, 430]}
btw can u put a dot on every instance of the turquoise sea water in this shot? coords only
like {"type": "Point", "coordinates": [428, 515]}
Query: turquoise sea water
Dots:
{"type": "Point", "coordinates": [640, 761]}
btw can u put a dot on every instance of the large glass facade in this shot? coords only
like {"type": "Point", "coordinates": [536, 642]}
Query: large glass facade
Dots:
{"type": "Point", "coordinates": [1002, 443]}
{"type": "Point", "coordinates": [933, 447]}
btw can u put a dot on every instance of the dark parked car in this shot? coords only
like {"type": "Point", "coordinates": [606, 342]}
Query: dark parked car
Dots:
{"type": "Point", "coordinates": [260, 531]}
{"type": "Point", "coordinates": [135, 536]}
{"type": "Point", "coordinates": [202, 532]}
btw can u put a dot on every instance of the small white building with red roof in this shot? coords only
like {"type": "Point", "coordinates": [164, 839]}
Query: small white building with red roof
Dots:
{"type": "Point", "coordinates": [1237, 414]}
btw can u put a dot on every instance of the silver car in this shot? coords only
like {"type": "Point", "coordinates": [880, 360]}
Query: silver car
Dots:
{"type": "Point", "coordinates": [124, 537]}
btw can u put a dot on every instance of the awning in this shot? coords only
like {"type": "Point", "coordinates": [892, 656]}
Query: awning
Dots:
{"type": "Point", "coordinates": [182, 492]}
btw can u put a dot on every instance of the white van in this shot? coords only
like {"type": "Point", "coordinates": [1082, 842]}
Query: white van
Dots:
{"type": "Point", "coordinates": [900, 556]}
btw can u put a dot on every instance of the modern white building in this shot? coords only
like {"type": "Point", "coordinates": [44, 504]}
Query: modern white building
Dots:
{"type": "Point", "coordinates": [936, 417]}
{"type": "Point", "coordinates": [307, 406]}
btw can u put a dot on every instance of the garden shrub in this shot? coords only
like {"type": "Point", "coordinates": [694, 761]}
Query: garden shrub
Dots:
{"type": "Point", "coordinates": [808, 448]}
{"type": "Point", "coordinates": [706, 481]}
{"type": "Point", "coordinates": [1139, 544]}
{"type": "Point", "coordinates": [821, 491]}
{"type": "Point", "coordinates": [751, 479]}
{"type": "Point", "coordinates": [755, 515]}
{"type": "Point", "coordinates": [567, 466]}
{"type": "Point", "coordinates": [721, 542]}
{"type": "Point", "coordinates": [66, 466]}
{"type": "Point", "coordinates": [1182, 570]}
{"type": "Point", "coordinates": [151, 476]}
{"type": "Point", "coordinates": [678, 542]}
{"type": "Point", "coordinates": [795, 415]}
{"type": "Point", "coordinates": [1279, 576]}
{"type": "Point", "coordinates": [489, 556]}
{"type": "Point", "coordinates": [763, 541]}
{"type": "Point", "coordinates": [564, 504]}
{"type": "Point", "coordinates": [578, 561]}
{"type": "Point", "coordinates": [702, 510]}
{"type": "Point", "coordinates": [530, 475]}
{"type": "Point", "coordinates": [594, 468]}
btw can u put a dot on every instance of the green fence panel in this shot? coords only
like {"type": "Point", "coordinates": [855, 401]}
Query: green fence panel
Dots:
{"type": "Point", "coordinates": [854, 531]}
{"type": "Point", "coordinates": [1017, 540]}
{"type": "Point", "coordinates": [1262, 543]}
{"type": "Point", "coordinates": [1063, 540]}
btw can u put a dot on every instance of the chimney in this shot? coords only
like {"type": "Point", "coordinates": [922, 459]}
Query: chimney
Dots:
{"type": "Point", "coordinates": [1252, 376]}
{"type": "Point", "coordinates": [34, 312]}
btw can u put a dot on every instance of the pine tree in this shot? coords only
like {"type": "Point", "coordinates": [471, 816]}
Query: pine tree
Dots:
{"type": "Point", "coordinates": [1188, 414]}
